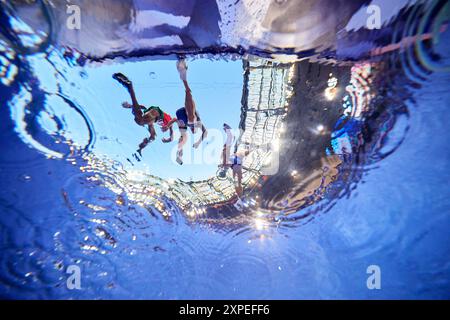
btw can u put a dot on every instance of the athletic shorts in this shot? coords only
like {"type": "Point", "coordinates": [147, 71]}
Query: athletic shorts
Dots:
{"type": "Point", "coordinates": [235, 161]}
{"type": "Point", "coordinates": [183, 118]}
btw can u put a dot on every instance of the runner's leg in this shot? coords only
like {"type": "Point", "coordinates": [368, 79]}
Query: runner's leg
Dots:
{"type": "Point", "coordinates": [137, 111]}
{"type": "Point", "coordinates": [181, 143]}
{"type": "Point", "coordinates": [189, 104]}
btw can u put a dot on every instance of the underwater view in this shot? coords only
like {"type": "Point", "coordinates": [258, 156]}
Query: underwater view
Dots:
{"type": "Point", "coordinates": [225, 149]}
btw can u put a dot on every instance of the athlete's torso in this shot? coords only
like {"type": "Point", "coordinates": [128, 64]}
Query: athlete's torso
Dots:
{"type": "Point", "coordinates": [162, 119]}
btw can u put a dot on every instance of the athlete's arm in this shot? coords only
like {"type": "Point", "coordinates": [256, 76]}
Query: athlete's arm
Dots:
{"type": "Point", "coordinates": [146, 141]}
{"type": "Point", "coordinates": [142, 145]}
{"type": "Point", "coordinates": [204, 135]}
{"type": "Point", "coordinates": [151, 128]}
{"type": "Point", "coordinates": [166, 140]}
{"type": "Point", "coordinates": [170, 123]}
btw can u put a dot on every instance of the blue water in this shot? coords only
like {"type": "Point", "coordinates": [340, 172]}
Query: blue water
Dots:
{"type": "Point", "coordinates": [363, 178]}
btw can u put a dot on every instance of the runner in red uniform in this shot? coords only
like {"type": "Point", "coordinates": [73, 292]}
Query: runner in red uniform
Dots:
{"type": "Point", "coordinates": [145, 116]}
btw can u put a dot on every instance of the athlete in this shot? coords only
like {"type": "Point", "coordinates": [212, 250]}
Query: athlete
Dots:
{"type": "Point", "coordinates": [186, 117]}
{"type": "Point", "coordinates": [233, 161]}
{"type": "Point", "coordinates": [145, 116]}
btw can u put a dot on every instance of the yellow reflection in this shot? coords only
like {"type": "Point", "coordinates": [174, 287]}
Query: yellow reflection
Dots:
{"type": "Point", "coordinates": [260, 224]}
